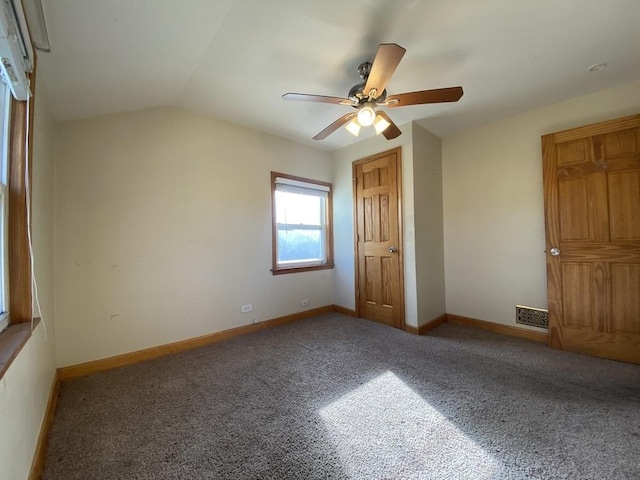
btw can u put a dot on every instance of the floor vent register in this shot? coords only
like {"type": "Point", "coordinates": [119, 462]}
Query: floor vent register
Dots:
{"type": "Point", "coordinates": [534, 317]}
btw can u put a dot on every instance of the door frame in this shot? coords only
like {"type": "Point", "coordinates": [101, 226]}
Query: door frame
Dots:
{"type": "Point", "coordinates": [356, 163]}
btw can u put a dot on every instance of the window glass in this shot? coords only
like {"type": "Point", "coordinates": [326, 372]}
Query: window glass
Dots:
{"type": "Point", "coordinates": [296, 208]}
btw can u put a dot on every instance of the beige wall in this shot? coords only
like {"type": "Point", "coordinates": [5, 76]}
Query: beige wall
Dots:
{"type": "Point", "coordinates": [493, 205]}
{"type": "Point", "coordinates": [25, 387]}
{"type": "Point", "coordinates": [163, 220]}
{"type": "Point", "coordinates": [429, 237]}
{"type": "Point", "coordinates": [163, 230]}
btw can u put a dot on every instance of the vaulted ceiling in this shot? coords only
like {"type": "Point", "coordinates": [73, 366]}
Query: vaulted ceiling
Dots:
{"type": "Point", "coordinates": [234, 59]}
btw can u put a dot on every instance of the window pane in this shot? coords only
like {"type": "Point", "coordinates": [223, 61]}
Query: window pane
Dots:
{"type": "Point", "coordinates": [300, 246]}
{"type": "Point", "coordinates": [296, 209]}
{"type": "Point", "coordinates": [4, 118]}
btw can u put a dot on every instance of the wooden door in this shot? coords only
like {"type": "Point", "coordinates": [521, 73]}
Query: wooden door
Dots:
{"type": "Point", "coordinates": [592, 210]}
{"type": "Point", "coordinates": [379, 269]}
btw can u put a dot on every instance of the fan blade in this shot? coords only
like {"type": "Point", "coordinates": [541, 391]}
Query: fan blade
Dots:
{"type": "Point", "coordinates": [305, 97]}
{"type": "Point", "coordinates": [392, 131]}
{"type": "Point", "coordinates": [439, 95]}
{"type": "Point", "coordinates": [334, 126]}
{"type": "Point", "coordinates": [387, 59]}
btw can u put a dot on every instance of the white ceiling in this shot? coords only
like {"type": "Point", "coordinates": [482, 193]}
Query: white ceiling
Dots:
{"type": "Point", "coordinates": [235, 58]}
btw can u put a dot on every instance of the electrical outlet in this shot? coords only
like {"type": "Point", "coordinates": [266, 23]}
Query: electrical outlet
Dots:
{"type": "Point", "coordinates": [304, 302]}
{"type": "Point", "coordinates": [246, 308]}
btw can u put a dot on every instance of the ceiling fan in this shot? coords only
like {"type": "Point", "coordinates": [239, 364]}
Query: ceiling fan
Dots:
{"type": "Point", "coordinates": [372, 93]}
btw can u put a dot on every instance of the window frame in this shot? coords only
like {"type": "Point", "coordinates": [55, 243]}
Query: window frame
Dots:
{"type": "Point", "coordinates": [5, 121]}
{"type": "Point", "coordinates": [20, 147]}
{"type": "Point", "coordinates": [328, 264]}
{"type": "Point", "coordinates": [19, 158]}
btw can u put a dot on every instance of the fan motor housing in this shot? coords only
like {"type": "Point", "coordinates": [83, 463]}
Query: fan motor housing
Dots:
{"type": "Point", "coordinates": [357, 91]}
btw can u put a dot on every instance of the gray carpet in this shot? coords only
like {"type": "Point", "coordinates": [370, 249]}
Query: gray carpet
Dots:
{"type": "Point", "coordinates": [333, 397]}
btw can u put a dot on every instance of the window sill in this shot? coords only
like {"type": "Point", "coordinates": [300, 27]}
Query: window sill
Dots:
{"type": "Point", "coordinates": [309, 268]}
{"type": "Point", "coordinates": [11, 342]}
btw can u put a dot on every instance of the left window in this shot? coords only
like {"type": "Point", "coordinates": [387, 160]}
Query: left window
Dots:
{"type": "Point", "coordinates": [5, 104]}
{"type": "Point", "coordinates": [302, 216]}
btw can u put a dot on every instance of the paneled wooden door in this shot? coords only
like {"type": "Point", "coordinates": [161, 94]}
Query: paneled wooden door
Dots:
{"type": "Point", "coordinates": [379, 267]}
{"type": "Point", "coordinates": [592, 210]}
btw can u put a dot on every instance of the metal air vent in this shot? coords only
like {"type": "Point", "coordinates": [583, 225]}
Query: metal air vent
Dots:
{"type": "Point", "coordinates": [535, 317]}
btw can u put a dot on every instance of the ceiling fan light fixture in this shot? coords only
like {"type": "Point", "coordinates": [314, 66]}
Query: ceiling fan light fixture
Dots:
{"type": "Point", "coordinates": [353, 127]}
{"type": "Point", "coordinates": [380, 124]}
{"type": "Point", "coordinates": [366, 115]}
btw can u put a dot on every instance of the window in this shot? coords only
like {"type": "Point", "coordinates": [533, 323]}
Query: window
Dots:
{"type": "Point", "coordinates": [16, 125]}
{"type": "Point", "coordinates": [5, 103]}
{"type": "Point", "coordinates": [302, 238]}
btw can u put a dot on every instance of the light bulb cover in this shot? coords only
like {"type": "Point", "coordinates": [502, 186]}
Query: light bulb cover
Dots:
{"type": "Point", "coordinates": [353, 127]}
{"type": "Point", "coordinates": [366, 115]}
{"type": "Point", "coordinates": [380, 124]}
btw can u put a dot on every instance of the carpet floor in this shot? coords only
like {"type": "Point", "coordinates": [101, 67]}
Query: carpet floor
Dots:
{"type": "Point", "coordinates": [335, 397]}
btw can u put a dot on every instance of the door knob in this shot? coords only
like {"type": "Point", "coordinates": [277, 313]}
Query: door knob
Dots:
{"type": "Point", "coordinates": [555, 251]}
{"type": "Point", "coordinates": [393, 249]}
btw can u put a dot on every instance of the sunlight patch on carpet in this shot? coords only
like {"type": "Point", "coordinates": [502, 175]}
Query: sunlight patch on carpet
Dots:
{"type": "Point", "coordinates": [384, 428]}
